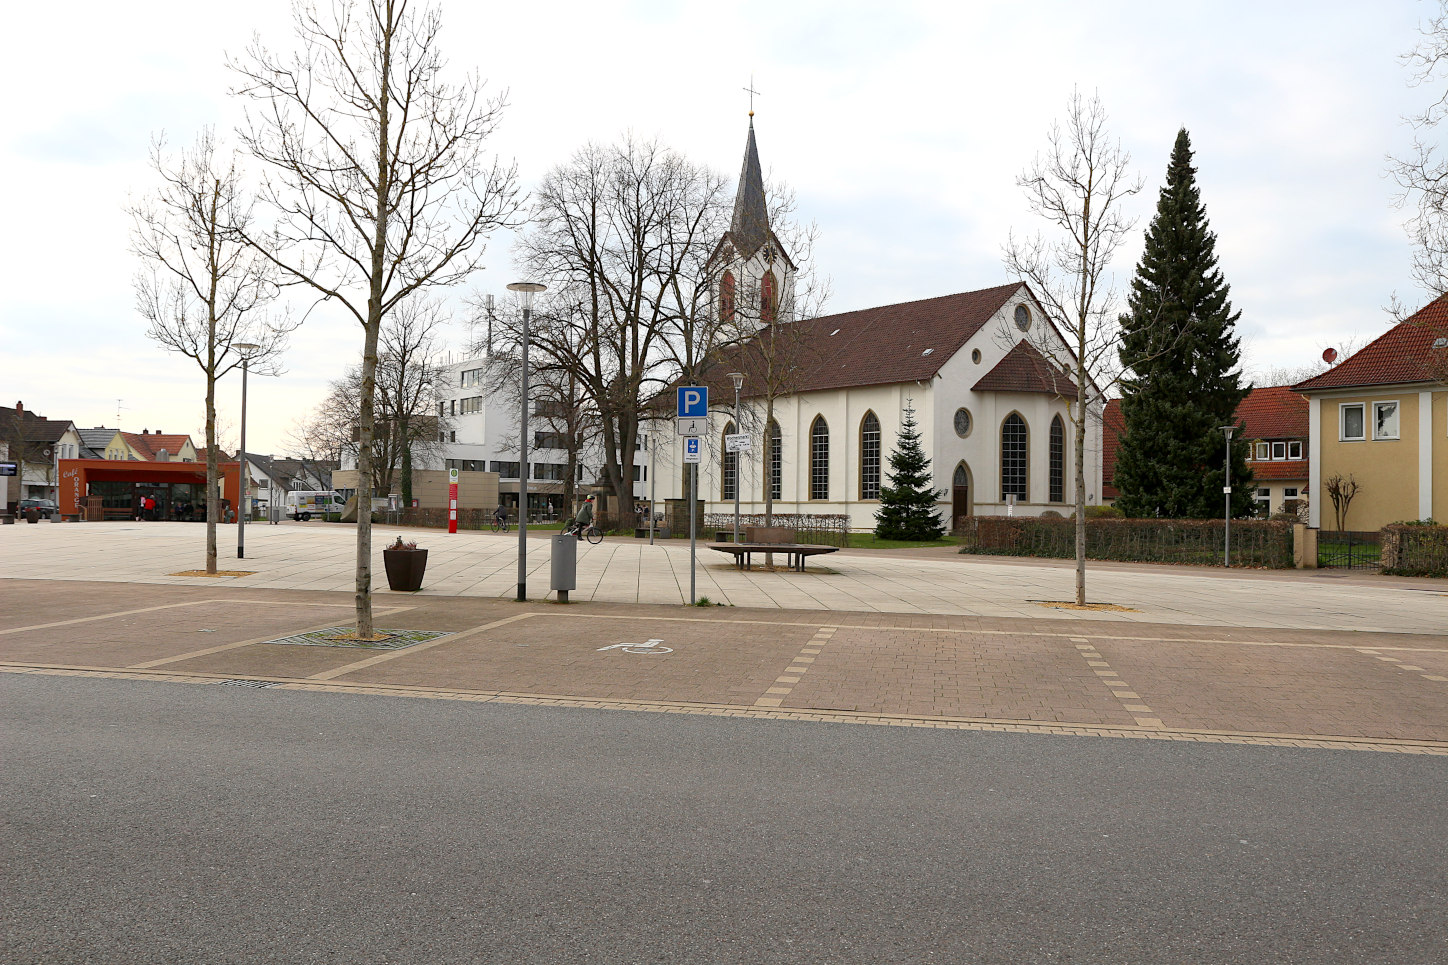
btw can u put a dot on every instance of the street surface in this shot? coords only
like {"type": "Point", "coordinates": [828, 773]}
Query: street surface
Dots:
{"type": "Point", "coordinates": [151, 822]}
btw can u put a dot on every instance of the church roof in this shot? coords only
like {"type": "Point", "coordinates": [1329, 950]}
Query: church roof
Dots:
{"type": "Point", "coordinates": [750, 224]}
{"type": "Point", "coordinates": [908, 342]}
{"type": "Point", "coordinates": [1024, 369]}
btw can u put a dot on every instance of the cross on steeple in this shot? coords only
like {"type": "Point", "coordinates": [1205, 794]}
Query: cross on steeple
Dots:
{"type": "Point", "coordinates": [752, 92]}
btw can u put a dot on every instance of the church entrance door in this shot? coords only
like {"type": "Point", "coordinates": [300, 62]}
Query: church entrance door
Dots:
{"type": "Point", "coordinates": [959, 494]}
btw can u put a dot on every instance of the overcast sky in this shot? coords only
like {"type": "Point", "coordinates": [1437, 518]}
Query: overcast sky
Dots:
{"type": "Point", "coordinates": [900, 126]}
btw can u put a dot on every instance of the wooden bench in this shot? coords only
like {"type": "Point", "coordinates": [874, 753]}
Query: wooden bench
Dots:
{"type": "Point", "coordinates": [771, 539]}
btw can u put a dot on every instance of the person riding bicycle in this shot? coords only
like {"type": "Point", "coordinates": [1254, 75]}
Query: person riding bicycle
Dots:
{"type": "Point", "coordinates": [500, 515]}
{"type": "Point", "coordinates": [584, 519]}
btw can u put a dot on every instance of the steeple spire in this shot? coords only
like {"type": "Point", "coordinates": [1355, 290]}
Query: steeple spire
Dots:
{"type": "Point", "coordinates": [750, 225]}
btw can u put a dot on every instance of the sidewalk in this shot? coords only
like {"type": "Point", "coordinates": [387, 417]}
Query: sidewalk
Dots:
{"type": "Point", "coordinates": [319, 556]}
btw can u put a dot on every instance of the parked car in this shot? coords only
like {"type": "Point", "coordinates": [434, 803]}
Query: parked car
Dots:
{"type": "Point", "coordinates": [47, 507]}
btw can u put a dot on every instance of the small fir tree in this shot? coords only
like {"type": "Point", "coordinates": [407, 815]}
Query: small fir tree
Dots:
{"type": "Point", "coordinates": [1185, 381]}
{"type": "Point", "coordinates": [907, 505]}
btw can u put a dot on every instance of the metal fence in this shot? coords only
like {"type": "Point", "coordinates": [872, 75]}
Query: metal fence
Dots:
{"type": "Point", "coordinates": [1189, 541]}
{"type": "Point", "coordinates": [1349, 549]}
{"type": "Point", "coordinates": [817, 528]}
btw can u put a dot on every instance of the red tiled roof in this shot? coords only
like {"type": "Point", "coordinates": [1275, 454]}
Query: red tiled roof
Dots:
{"type": "Point", "coordinates": [1275, 412]}
{"type": "Point", "coordinates": [1404, 353]}
{"type": "Point", "coordinates": [907, 342]}
{"type": "Point", "coordinates": [1279, 469]}
{"type": "Point", "coordinates": [149, 444]}
{"type": "Point", "coordinates": [1024, 369]}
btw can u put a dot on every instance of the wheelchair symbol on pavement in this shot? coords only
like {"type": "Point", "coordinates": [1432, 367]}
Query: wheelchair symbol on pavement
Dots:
{"type": "Point", "coordinates": [648, 646]}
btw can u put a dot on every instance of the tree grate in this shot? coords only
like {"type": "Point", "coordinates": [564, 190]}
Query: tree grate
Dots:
{"type": "Point", "coordinates": [336, 637]}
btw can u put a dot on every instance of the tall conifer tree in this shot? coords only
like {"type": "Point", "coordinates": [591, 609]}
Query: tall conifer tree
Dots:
{"type": "Point", "coordinates": [907, 506]}
{"type": "Point", "coordinates": [1184, 378]}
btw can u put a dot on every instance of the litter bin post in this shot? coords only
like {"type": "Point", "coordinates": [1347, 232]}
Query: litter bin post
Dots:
{"type": "Point", "coordinates": [565, 566]}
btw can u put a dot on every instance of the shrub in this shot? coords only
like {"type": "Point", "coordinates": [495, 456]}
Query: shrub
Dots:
{"type": "Point", "coordinates": [1419, 548]}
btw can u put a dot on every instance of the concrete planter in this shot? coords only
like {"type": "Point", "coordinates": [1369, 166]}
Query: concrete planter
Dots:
{"type": "Point", "coordinates": [404, 569]}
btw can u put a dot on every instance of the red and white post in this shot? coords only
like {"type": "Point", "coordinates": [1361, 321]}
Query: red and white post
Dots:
{"type": "Point", "coordinates": [452, 501]}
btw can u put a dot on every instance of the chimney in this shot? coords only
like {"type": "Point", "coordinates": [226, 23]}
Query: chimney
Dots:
{"type": "Point", "coordinates": [20, 407]}
{"type": "Point", "coordinates": [145, 432]}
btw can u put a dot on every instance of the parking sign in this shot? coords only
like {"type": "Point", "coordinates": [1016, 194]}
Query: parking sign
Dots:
{"type": "Point", "coordinates": [691, 449]}
{"type": "Point", "coordinates": [693, 401]}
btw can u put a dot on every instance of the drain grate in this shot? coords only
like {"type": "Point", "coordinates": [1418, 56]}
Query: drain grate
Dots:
{"type": "Point", "coordinates": [243, 682]}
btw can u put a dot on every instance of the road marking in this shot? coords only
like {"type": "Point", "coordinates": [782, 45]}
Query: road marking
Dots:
{"type": "Point", "coordinates": [416, 648]}
{"type": "Point", "coordinates": [991, 725]}
{"type": "Point", "coordinates": [799, 666]}
{"type": "Point", "coordinates": [1130, 700]}
{"type": "Point", "coordinates": [1420, 671]}
{"type": "Point", "coordinates": [163, 606]}
{"type": "Point", "coordinates": [648, 646]}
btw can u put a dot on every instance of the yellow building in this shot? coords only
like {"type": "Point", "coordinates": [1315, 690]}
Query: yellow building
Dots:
{"type": "Point", "coordinates": [1380, 421]}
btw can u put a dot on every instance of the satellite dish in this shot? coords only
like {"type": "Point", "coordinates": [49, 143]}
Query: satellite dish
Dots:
{"type": "Point", "coordinates": [1329, 355]}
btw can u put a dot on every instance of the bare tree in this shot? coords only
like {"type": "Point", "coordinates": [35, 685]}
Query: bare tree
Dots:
{"type": "Point", "coordinates": [378, 182]}
{"type": "Point", "coordinates": [1341, 491]}
{"type": "Point", "coordinates": [202, 289]}
{"type": "Point", "coordinates": [1422, 172]}
{"type": "Point", "coordinates": [621, 239]}
{"type": "Point", "coordinates": [1079, 187]}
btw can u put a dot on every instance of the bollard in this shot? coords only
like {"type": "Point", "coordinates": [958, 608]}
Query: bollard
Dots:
{"type": "Point", "coordinates": [565, 566]}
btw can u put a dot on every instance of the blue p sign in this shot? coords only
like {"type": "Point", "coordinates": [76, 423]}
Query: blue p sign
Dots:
{"type": "Point", "coordinates": [693, 401]}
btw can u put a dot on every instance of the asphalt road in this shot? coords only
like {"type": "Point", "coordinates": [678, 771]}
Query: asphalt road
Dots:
{"type": "Point", "coordinates": [147, 822]}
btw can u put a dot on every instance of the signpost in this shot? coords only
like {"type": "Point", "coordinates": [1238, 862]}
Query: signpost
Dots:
{"type": "Point", "coordinates": [693, 415]}
{"type": "Point", "coordinates": [452, 501]}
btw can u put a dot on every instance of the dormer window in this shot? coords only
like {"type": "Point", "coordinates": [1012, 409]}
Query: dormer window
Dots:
{"type": "Point", "coordinates": [1294, 450]}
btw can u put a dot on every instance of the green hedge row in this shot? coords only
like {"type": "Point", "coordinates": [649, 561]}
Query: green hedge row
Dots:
{"type": "Point", "coordinates": [1259, 543]}
{"type": "Point", "coordinates": [1415, 550]}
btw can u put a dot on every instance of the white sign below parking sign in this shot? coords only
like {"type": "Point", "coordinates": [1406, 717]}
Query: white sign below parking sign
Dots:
{"type": "Point", "coordinates": [691, 449]}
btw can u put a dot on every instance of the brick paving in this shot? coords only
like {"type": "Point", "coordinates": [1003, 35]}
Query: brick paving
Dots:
{"type": "Point", "coordinates": [1202, 683]}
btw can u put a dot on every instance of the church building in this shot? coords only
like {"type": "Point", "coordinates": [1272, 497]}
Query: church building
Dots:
{"type": "Point", "coordinates": [987, 374]}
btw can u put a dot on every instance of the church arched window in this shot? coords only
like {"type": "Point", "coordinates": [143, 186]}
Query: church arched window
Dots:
{"type": "Point", "coordinates": [870, 457]}
{"type": "Point", "coordinates": [726, 297]}
{"type": "Point", "coordinates": [1013, 457]}
{"type": "Point", "coordinates": [768, 298]}
{"type": "Point", "coordinates": [729, 475]}
{"type": "Point", "coordinates": [819, 459]}
{"type": "Point", "coordinates": [775, 461]}
{"type": "Point", "coordinates": [1058, 460]}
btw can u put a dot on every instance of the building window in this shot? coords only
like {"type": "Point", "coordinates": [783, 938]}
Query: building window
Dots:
{"type": "Point", "coordinates": [1263, 451]}
{"type": "Point", "coordinates": [1263, 500]}
{"type": "Point", "coordinates": [452, 436]}
{"type": "Point", "coordinates": [453, 407]}
{"type": "Point", "coordinates": [470, 405]}
{"type": "Point", "coordinates": [819, 459]}
{"type": "Point", "coordinates": [1290, 492]}
{"type": "Point", "coordinates": [549, 440]}
{"type": "Point", "coordinates": [1350, 425]}
{"type": "Point", "coordinates": [505, 470]}
{"type": "Point", "coordinates": [726, 297]}
{"type": "Point", "coordinates": [471, 378]}
{"type": "Point", "coordinates": [768, 298]}
{"type": "Point", "coordinates": [962, 421]}
{"type": "Point", "coordinates": [1013, 457]}
{"type": "Point", "coordinates": [776, 462]}
{"type": "Point", "coordinates": [1058, 460]}
{"type": "Point", "coordinates": [870, 457]}
{"type": "Point", "coordinates": [1385, 420]}
{"type": "Point", "coordinates": [1279, 450]}
{"type": "Point", "coordinates": [729, 475]}
{"type": "Point", "coordinates": [1294, 450]}
{"type": "Point", "coordinates": [442, 408]}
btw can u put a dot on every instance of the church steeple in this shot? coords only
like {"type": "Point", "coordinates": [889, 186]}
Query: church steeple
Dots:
{"type": "Point", "coordinates": [750, 225]}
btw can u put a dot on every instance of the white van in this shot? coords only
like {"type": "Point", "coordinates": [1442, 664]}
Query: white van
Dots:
{"type": "Point", "coordinates": [303, 504]}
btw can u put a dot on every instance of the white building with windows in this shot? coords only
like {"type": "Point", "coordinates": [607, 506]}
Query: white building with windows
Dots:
{"type": "Point", "coordinates": [986, 373]}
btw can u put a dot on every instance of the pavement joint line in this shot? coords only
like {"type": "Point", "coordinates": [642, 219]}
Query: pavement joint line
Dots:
{"type": "Point", "coordinates": [416, 648]}
{"type": "Point", "coordinates": [222, 648]}
{"type": "Point", "coordinates": [1130, 700]}
{"type": "Point", "coordinates": [153, 609]}
{"type": "Point", "coordinates": [774, 696]}
{"type": "Point", "coordinates": [1317, 742]}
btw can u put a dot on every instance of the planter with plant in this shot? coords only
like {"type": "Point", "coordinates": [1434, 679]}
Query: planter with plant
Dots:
{"type": "Point", "coordinates": [405, 564]}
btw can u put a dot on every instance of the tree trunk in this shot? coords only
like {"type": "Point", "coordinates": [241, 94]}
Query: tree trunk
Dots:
{"type": "Point", "coordinates": [213, 503]}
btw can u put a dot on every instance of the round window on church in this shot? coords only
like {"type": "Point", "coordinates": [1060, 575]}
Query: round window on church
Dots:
{"type": "Point", "coordinates": [975, 355]}
{"type": "Point", "coordinates": [962, 423]}
{"type": "Point", "coordinates": [1023, 317]}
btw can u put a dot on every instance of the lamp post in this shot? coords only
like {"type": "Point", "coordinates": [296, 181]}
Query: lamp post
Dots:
{"type": "Point", "coordinates": [245, 348]}
{"type": "Point", "coordinates": [1227, 494]}
{"type": "Point", "coordinates": [526, 290]}
{"type": "Point", "coordinates": [738, 380]}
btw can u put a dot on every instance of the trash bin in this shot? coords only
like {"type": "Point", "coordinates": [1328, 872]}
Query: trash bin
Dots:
{"type": "Point", "coordinates": [565, 566]}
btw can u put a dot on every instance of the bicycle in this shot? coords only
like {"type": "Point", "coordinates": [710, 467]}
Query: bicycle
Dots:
{"type": "Point", "coordinates": [593, 534]}
{"type": "Point", "coordinates": [500, 525]}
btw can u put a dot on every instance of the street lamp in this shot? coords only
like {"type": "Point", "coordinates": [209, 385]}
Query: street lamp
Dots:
{"type": "Point", "coordinates": [1227, 494]}
{"type": "Point", "coordinates": [738, 379]}
{"type": "Point", "coordinates": [526, 290]}
{"type": "Point", "coordinates": [245, 348]}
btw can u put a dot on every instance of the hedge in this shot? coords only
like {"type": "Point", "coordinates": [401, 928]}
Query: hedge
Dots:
{"type": "Point", "coordinates": [1415, 550]}
{"type": "Point", "coordinates": [1258, 543]}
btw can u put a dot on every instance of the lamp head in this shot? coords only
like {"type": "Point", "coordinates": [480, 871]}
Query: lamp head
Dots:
{"type": "Point", "coordinates": [738, 378]}
{"type": "Point", "coordinates": [245, 348]}
{"type": "Point", "coordinates": [526, 290]}
{"type": "Point", "coordinates": [1228, 430]}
